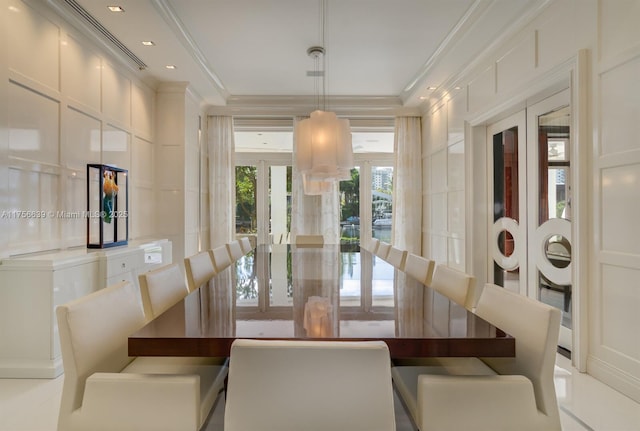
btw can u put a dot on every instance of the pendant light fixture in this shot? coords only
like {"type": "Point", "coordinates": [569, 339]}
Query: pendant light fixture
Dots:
{"type": "Point", "coordinates": [324, 152]}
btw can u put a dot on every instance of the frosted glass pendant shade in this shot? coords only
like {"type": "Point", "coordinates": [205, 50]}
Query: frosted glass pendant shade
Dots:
{"type": "Point", "coordinates": [316, 187]}
{"type": "Point", "coordinates": [323, 147]}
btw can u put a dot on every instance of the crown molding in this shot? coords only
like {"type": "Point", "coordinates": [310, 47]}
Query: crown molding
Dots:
{"type": "Point", "coordinates": [470, 18]}
{"type": "Point", "coordinates": [182, 34]}
{"type": "Point", "coordinates": [488, 53]}
{"type": "Point", "coordinates": [369, 106]}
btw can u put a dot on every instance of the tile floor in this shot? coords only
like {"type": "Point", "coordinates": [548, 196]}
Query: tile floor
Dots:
{"type": "Point", "coordinates": [585, 404]}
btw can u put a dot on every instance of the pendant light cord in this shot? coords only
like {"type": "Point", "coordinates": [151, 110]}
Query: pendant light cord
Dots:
{"type": "Point", "coordinates": [324, 5]}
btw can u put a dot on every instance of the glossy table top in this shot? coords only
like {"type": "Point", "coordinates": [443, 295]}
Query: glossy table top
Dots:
{"type": "Point", "coordinates": [318, 293]}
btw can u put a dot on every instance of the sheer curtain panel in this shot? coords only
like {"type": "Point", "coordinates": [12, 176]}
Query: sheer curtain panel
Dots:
{"type": "Point", "coordinates": [407, 185]}
{"type": "Point", "coordinates": [222, 180]}
{"type": "Point", "coordinates": [407, 209]}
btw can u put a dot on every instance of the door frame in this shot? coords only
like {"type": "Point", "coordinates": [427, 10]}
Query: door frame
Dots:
{"type": "Point", "coordinates": [574, 74]}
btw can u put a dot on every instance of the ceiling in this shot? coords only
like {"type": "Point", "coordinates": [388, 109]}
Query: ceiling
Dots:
{"type": "Point", "coordinates": [231, 52]}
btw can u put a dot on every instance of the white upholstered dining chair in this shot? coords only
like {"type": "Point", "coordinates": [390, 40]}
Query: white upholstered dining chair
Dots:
{"type": "Point", "coordinates": [161, 289]}
{"type": "Point", "coordinates": [373, 245]}
{"type": "Point", "coordinates": [419, 268]}
{"type": "Point", "coordinates": [106, 390]}
{"type": "Point", "coordinates": [309, 385]}
{"type": "Point", "coordinates": [383, 250]}
{"type": "Point", "coordinates": [235, 250]}
{"type": "Point", "coordinates": [199, 269]}
{"type": "Point", "coordinates": [221, 258]}
{"type": "Point", "coordinates": [456, 285]}
{"type": "Point", "coordinates": [492, 394]}
{"type": "Point", "coordinates": [397, 257]}
{"type": "Point", "coordinates": [245, 244]}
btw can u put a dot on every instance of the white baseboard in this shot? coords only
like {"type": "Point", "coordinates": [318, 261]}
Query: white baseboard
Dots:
{"type": "Point", "coordinates": [612, 376]}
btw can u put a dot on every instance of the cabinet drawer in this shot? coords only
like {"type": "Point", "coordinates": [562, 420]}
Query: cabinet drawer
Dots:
{"type": "Point", "coordinates": [125, 263]}
{"type": "Point", "coordinates": [125, 276]}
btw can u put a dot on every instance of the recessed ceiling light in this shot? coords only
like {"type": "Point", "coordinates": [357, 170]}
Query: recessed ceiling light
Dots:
{"type": "Point", "coordinates": [431, 88]}
{"type": "Point", "coordinates": [423, 97]}
{"type": "Point", "coordinates": [457, 87]}
{"type": "Point", "coordinates": [115, 8]}
{"type": "Point", "coordinates": [170, 66]}
{"type": "Point", "coordinates": [148, 43]}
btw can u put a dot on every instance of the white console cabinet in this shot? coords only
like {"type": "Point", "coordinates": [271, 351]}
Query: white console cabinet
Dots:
{"type": "Point", "coordinates": [32, 286]}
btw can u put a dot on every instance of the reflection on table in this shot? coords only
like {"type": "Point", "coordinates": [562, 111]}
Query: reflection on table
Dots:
{"type": "Point", "coordinates": [288, 292]}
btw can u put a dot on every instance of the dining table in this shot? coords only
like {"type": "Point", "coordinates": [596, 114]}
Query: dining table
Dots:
{"type": "Point", "coordinates": [326, 292]}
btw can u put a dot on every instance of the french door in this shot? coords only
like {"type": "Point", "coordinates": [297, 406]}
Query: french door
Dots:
{"type": "Point", "coordinates": [530, 198]}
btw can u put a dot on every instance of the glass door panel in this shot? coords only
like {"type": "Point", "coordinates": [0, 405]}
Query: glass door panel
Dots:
{"type": "Point", "coordinates": [381, 202]}
{"type": "Point", "coordinates": [280, 203]}
{"type": "Point", "coordinates": [550, 211]}
{"type": "Point", "coordinates": [246, 215]}
{"type": "Point", "coordinates": [508, 200]}
{"type": "Point", "coordinates": [350, 210]}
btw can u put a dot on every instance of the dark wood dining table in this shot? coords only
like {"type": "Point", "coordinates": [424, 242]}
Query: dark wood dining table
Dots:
{"type": "Point", "coordinates": [318, 293]}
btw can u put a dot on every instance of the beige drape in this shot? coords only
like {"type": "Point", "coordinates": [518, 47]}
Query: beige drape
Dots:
{"type": "Point", "coordinates": [222, 179]}
{"type": "Point", "coordinates": [407, 216]}
{"type": "Point", "coordinates": [407, 185]}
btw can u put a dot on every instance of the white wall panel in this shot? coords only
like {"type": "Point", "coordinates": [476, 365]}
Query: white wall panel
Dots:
{"type": "Point", "coordinates": [81, 72]}
{"type": "Point", "coordinates": [455, 256]}
{"type": "Point", "coordinates": [619, 24]}
{"type": "Point", "coordinates": [553, 44]}
{"type": "Point", "coordinates": [482, 89]}
{"type": "Point", "coordinates": [455, 166]}
{"type": "Point", "coordinates": [516, 67]}
{"type": "Point", "coordinates": [620, 108]}
{"type": "Point", "coordinates": [456, 111]}
{"type": "Point", "coordinates": [621, 209]}
{"type": "Point", "coordinates": [438, 172]}
{"type": "Point", "coordinates": [142, 111]}
{"type": "Point", "coordinates": [143, 222]}
{"type": "Point", "coordinates": [620, 303]}
{"type": "Point", "coordinates": [33, 126]}
{"type": "Point", "coordinates": [74, 229]}
{"type": "Point", "coordinates": [439, 249]}
{"type": "Point", "coordinates": [439, 213]}
{"type": "Point", "coordinates": [82, 141]}
{"type": "Point", "coordinates": [437, 137]}
{"type": "Point", "coordinates": [52, 116]}
{"type": "Point", "coordinates": [168, 177]}
{"type": "Point", "coordinates": [37, 192]}
{"type": "Point", "coordinates": [455, 213]}
{"type": "Point", "coordinates": [116, 95]}
{"type": "Point", "coordinates": [142, 153]}
{"type": "Point", "coordinates": [116, 147]}
{"type": "Point", "coordinates": [33, 45]}
{"type": "Point", "coordinates": [191, 217]}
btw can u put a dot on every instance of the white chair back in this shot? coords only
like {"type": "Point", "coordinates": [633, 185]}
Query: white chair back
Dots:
{"type": "Point", "coordinates": [245, 244]}
{"type": "Point", "coordinates": [383, 250]}
{"type": "Point", "coordinates": [310, 385]}
{"type": "Point", "coordinates": [90, 339]}
{"type": "Point", "coordinates": [397, 257]}
{"type": "Point", "coordinates": [419, 268]}
{"type": "Point", "coordinates": [535, 326]}
{"type": "Point", "coordinates": [221, 258]}
{"type": "Point", "coordinates": [199, 269]}
{"type": "Point", "coordinates": [373, 247]}
{"type": "Point", "coordinates": [161, 288]}
{"type": "Point", "coordinates": [455, 285]}
{"type": "Point", "coordinates": [235, 250]}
